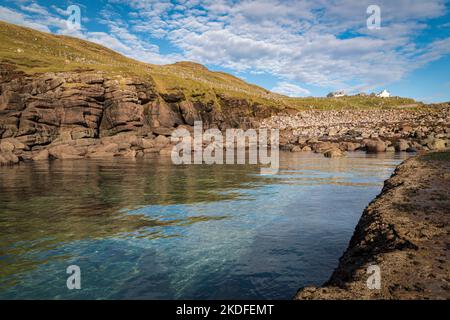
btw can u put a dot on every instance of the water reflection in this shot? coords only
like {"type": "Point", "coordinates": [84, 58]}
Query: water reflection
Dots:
{"type": "Point", "coordinates": [180, 231]}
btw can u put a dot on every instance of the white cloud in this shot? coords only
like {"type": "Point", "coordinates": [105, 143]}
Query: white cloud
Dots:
{"type": "Point", "coordinates": [322, 43]}
{"type": "Point", "coordinates": [18, 18]}
{"type": "Point", "coordinates": [34, 8]}
{"type": "Point", "coordinates": [118, 39]}
{"type": "Point", "coordinates": [290, 90]}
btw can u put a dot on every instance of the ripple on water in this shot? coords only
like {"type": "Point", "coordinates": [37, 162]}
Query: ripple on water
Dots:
{"type": "Point", "coordinates": [148, 229]}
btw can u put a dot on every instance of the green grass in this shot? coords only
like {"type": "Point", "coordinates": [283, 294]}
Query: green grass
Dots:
{"type": "Point", "coordinates": [37, 52]}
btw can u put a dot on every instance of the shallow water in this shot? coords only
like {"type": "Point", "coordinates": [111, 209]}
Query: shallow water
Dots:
{"type": "Point", "coordinates": [146, 229]}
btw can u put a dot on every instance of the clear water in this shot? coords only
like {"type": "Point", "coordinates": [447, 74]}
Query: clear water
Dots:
{"type": "Point", "coordinates": [145, 229]}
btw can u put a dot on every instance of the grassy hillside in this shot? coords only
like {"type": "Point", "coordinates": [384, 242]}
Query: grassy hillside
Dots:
{"type": "Point", "coordinates": [36, 52]}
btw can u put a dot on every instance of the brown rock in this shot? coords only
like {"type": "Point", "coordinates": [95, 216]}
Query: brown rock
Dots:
{"type": "Point", "coordinates": [162, 141]}
{"type": "Point", "coordinates": [8, 158]}
{"type": "Point", "coordinates": [321, 147]}
{"type": "Point", "coordinates": [148, 143]}
{"type": "Point", "coordinates": [108, 148]}
{"type": "Point", "coordinates": [65, 152]}
{"type": "Point", "coordinates": [333, 153]}
{"type": "Point", "coordinates": [41, 155]}
{"type": "Point", "coordinates": [165, 115]}
{"type": "Point", "coordinates": [189, 113]}
{"type": "Point", "coordinates": [437, 144]}
{"type": "Point", "coordinates": [349, 146]}
{"type": "Point", "coordinates": [129, 154]}
{"type": "Point", "coordinates": [167, 151]}
{"type": "Point", "coordinates": [375, 146]}
{"type": "Point", "coordinates": [401, 145]}
{"type": "Point", "coordinates": [163, 131]}
{"type": "Point", "coordinates": [390, 149]}
{"type": "Point", "coordinates": [6, 147]}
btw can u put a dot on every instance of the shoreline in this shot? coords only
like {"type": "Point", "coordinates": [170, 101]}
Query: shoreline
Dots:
{"type": "Point", "coordinates": [405, 232]}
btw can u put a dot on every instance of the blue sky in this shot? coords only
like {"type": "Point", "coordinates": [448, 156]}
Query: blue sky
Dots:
{"type": "Point", "coordinates": [294, 47]}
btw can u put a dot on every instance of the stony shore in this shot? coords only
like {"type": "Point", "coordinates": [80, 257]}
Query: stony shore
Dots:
{"type": "Point", "coordinates": [405, 232]}
{"type": "Point", "coordinates": [335, 132]}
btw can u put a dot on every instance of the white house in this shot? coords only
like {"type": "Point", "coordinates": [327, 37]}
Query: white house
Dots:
{"type": "Point", "coordinates": [384, 94]}
{"type": "Point", "coordinates": [336, 94]}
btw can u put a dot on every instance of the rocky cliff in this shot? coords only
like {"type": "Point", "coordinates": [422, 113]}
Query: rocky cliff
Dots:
{"type": "Point", "coordinates": [405, 232]}
{"type": "Point", "coordinates": [72, 111]}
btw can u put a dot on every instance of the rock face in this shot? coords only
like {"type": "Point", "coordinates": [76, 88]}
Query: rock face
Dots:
{"type": "Point", "coordinates": [64, 112]}
{"type": "Point", "coordinates": [405, 232]}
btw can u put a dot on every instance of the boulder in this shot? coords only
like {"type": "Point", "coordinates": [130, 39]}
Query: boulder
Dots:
{"type": "Point", "coordinates": [148, 143]}
{"type": "Point", "coordinates": [107, 150]}
{"type": "Point", "coordinates": [349, 146]}
{"type": "Point", "coordinates": [16, 143]}
{"type": "Point", "coordinates": [162, 140]}
{"type": "Point", "coordinates": [321, 147]}
{"type": "Point", "coordinates": [375, 146]}
{"type": "Point", "coordinates": [401, 145]}
{"type": "Point", "coordinates": [151, 150]}
{"type": "Point", "coordinates": [6, 146]}
{"type": "Point", "coordinates": [8, 158]}
{"type": "Point", "coordinates": [406, 129]}
{"type": "Point", "coordinates": [306, 149]}
{"type": "Point", "coordinates": [129, 154]}
{"type": "Point", "coordinates": [296, 149]}
{"type": "Point", "coordinates": [167, 151]}
{"type": "Point", "coordinates": [437, 144]}
{"type": "Point", "coordinates": [66, 152]}
{"type": "Point", "coordinates": [106, 147]}
{"type": "Point", "coordinates": [41, 155]}
{"type": "Point", "coordinates": [390, 149]}
{"type": "Point", "coordinates": [333, 153]}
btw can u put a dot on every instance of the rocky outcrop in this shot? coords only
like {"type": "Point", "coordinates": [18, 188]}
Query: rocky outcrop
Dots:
{"type": "Point", "coordinates": [70, 114]}
{"type": "Point", "coordinates": [405, 233]}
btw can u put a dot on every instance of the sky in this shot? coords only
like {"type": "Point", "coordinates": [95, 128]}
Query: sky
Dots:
{"type": "Point", "coordinates": [294, 47]}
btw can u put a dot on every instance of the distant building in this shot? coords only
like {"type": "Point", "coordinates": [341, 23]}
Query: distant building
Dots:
{"type": "Point", "coordinates": [384, 94]}
{"type": "Point", "coordinates": [336, 94]}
